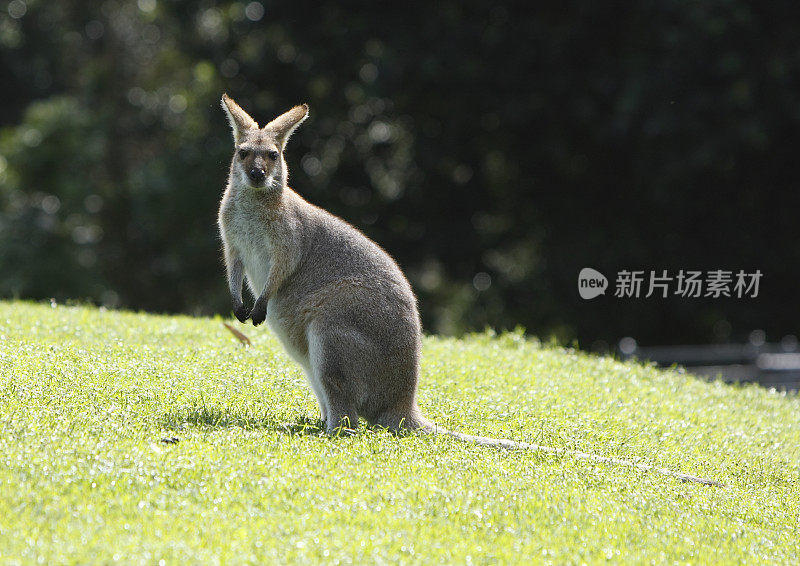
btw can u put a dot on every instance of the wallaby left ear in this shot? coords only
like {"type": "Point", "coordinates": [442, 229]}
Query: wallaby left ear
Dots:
{"type": "Point", "coordinates": [286, 123]}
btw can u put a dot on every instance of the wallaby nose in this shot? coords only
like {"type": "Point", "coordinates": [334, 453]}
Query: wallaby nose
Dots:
{"type": "Point", "coordinates": [256, 175]}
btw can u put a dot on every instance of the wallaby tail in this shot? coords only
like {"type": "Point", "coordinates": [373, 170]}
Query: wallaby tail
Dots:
{"type": "Point", "coordinates": [514, 445]}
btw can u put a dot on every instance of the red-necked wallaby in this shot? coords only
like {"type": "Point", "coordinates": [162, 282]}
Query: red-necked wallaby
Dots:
{"type": "Point", "coordinates": [339, 303]}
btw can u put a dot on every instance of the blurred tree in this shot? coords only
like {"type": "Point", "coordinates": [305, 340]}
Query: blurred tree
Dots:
{"type": "Point", "coordinates": [493, 150]}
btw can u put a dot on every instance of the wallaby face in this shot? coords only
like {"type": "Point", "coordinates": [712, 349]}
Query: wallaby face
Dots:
{"type": "Point", "coordinates": [258, 158]}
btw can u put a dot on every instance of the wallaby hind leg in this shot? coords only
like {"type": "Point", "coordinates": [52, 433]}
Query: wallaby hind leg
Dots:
{"type": "Point", "coordinates": [342, 413]}
{"type": "Point", "coordinates": [319, 393]}
{"type": "Point", "coordinates": [329, 380]}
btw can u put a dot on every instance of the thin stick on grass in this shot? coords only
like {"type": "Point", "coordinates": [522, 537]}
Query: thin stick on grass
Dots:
{"type": "Point", "coordinates": [242, 338]}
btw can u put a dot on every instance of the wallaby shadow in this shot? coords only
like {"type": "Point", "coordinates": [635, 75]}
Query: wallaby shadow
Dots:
{"type": "Point", "coordinates": [218, 418]}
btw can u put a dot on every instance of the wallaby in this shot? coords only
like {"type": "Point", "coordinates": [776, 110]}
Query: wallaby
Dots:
{"type": "Point", "coordinates": [339, 304]}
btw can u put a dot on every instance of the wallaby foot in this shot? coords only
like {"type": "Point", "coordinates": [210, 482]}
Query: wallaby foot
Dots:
{"type": "Point", "coordinates": [404, 421]}
{"type": "Point", "coordinates": [342, 425]}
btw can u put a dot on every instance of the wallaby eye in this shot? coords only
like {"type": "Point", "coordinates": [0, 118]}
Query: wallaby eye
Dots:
{"type": "Point", "coordinates": [243, 153]}
{"type": "Point", "coordinates": [272, 154]}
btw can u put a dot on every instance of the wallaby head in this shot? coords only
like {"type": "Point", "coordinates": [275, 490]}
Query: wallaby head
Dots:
{"type": "Point", "coordinates": [258, 159]}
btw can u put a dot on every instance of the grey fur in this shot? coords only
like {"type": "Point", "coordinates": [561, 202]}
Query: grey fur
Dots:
{"type": "Point", "coordinates": [339, 303]}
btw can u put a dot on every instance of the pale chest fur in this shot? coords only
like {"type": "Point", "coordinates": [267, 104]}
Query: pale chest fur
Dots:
{"type": "Point", "coordinates": [245, 229]}
{"type": "Point", "coordinates": [260, 239]}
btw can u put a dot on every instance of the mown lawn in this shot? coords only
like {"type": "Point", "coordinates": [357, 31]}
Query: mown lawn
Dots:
{"type": "Point", "coordinates": [87, 397]}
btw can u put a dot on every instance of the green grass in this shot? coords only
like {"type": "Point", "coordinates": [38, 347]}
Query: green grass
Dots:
{"type": "Point", "coordinates": [86, 396]}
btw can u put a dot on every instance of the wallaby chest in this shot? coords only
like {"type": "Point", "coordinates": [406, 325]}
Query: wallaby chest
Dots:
{"type": "Point", "coordinates": [246, 229]}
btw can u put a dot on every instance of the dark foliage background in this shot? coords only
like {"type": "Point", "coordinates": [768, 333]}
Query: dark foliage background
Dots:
{"type": "Point", "coordinates": [494, 149]}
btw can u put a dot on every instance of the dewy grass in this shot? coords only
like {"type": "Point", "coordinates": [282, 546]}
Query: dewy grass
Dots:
{"type": "Point", "coordinates": [138, 438]}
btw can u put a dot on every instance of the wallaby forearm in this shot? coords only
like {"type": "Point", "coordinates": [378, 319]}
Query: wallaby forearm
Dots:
{"type": "Point", "coordinates": [235, 280]}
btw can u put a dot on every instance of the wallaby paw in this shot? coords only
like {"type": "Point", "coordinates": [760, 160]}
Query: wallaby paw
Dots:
{"type": "Point", "coordinates": [258, 314]}
{"type": "Point", "coordinates": [241, 313]}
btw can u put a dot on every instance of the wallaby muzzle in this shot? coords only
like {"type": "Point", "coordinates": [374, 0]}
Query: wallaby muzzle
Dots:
{"type": "Point", "coordinates": [257, 175]}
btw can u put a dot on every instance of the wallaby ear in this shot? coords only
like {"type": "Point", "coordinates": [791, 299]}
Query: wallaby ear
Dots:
{"type": "Point", "coordinates": [286, 123]}
{"type": "Point", "coordinates": [239, 119]}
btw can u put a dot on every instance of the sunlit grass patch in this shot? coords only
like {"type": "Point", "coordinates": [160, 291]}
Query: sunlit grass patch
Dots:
{"type": "Point", "coordinates": [147, 437]}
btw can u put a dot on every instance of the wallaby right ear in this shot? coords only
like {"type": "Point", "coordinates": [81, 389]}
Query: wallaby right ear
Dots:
{"type": "Point", "coordinates": [239, 119]}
